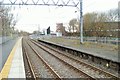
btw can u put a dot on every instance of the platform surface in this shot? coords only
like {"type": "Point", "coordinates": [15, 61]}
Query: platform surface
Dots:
{"type": "Point", "coordinates": [5, 50]}
{"type": "Point", "coordinates": [106, 54]}
{"type": "Point", "coordinates": [14, 66]}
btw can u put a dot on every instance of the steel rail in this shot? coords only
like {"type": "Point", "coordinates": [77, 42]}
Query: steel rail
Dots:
{"type": "Point", "coordinates": [54, 72]}
{"type": "Point", "coordinates": [30, 65]}
{"type": "Point", "coordinates": [76, 69]}
{"type": "Point", "coordinates": [81, 62]}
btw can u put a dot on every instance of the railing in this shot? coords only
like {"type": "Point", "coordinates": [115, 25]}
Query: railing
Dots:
{"type": "Point", "coordinates": [4, 39]}
{"type": "Point", "coordinates": [107, 40]}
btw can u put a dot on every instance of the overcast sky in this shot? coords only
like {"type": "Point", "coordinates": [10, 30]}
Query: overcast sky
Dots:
{"type": "Point", "coordinates": [32, 17]}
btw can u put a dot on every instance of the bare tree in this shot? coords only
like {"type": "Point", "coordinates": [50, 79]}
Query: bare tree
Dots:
{"type": "Point", "coordinates": [112, 20]}
{"type": "Point", "coordinates": [101, 24]}
{"type": "Point", "coordinates": [7, 20]}
{"type": "Point", "coordinates": [89, 23]}
{"type": "Point", "coordinates": [112, 15]}
{"type": "Point", "coordinates": [72, 25]}
{"type": "Point", "coordinates": [94, 23]}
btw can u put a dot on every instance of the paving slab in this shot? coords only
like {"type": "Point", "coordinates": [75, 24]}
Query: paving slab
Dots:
{"type": "Point", "coordinates": [17, 68]}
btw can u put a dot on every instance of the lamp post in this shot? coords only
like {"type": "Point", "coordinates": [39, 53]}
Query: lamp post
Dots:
{"type": "Point", "coordinates": [81, 23]}
{"type": "Point", "coordinates": [0, 26]}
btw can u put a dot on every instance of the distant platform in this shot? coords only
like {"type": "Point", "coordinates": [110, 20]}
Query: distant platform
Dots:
{"type": "Point", "coordinates": [106, 54]}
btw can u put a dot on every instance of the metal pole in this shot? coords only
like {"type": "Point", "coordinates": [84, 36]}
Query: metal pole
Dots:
{"type": "Point", "coordinates": [81, 23]}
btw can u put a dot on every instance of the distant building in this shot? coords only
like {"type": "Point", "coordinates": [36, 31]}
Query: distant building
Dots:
{"type": "Point", "coordinates": [60, 29]}
{"type": "Point", "coordinates": [111, 29]}
{"type": "Point", "coordinates": [48, 30]}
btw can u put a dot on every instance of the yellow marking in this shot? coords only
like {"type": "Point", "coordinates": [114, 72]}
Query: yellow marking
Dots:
{"type": "Point", "coordinates": [6, 69]}
{"type": "Point", "coordinates": [0, 76]}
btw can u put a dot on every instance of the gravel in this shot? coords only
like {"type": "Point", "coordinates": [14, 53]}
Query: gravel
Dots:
{"type": "Point", "coordinates": [40, 69]}
{"type": "Point", "coordinates": [80, 66]}
{"type": "Point", "coordinates": [63, 70]}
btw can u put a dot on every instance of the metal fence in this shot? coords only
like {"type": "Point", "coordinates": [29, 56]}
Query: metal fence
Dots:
{"type": "Point", "coordinates": [107, 40]}
{"type": "Point", "coordinates": [4, 39]}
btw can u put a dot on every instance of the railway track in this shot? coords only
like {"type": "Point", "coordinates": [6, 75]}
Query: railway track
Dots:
{"type": "Point", "coordinates": [75, 70]}
{"type": "Point", "coordinates": [31, 70]}
{"type": "Point", "coordinates": [89, 69]}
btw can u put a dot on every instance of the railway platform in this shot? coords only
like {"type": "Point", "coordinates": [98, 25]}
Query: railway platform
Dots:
{"type": "Point", "coordinates": [14, 65]}
{"type": "Point", "coordinates": [102, 53]}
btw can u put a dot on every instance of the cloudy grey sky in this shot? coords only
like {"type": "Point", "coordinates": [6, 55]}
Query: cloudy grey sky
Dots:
{"type": "Point", "coordinates": [32, 17]}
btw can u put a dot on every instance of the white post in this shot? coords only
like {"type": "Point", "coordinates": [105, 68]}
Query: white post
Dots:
{"type": "Point", "coordinates": [81, 23]}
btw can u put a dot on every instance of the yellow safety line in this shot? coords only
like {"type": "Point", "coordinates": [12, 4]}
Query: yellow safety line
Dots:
{"type": "Point", "coordinates": [5, 70]}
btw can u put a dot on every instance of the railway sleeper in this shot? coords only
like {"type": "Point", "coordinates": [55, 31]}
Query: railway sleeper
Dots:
{"type": "Point", "coordinates": [89, 58]}
{"type": "Point", "coordinates": [114, 66]}
{"type": "Point", "coordinates": [97, 60]}
{"type": "Point", "coordinates": [100, 61]}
